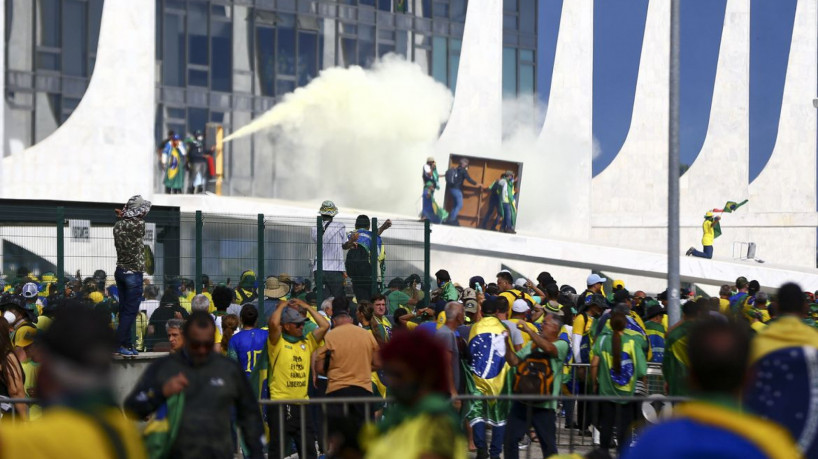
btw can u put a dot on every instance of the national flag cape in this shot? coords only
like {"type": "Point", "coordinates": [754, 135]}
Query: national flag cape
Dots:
{"type": "Point", "coordinates": [487, 347]}
{"type": "Point", "coordinates": [161, 431]}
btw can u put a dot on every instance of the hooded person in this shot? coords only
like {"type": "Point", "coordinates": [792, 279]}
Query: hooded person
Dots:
{"type": "Point", "coordinates": [129, 231]}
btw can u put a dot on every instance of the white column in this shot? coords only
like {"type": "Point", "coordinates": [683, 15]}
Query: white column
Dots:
{"type": "Point", "coordinates": [475, 122]}
{"type": "Point", "coordinates": [105, 150]}
{"type": "Point", "coordinates": [555, 195]}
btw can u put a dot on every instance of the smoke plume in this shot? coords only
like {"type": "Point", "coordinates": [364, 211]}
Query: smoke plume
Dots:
{"type": "Point", "coordinates": [357, 136]}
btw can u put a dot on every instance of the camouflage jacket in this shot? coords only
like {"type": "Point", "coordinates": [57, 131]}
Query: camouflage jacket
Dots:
{"type": "Point", "coordinates": [130, 251]}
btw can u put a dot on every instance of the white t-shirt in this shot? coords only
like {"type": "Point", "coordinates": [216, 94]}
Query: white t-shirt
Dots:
{"type": "Point", "coordinates": [335, 235]}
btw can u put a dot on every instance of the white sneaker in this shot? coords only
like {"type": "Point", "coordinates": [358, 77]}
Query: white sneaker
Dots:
{"type": "Point", "coordinates": [595, 435]}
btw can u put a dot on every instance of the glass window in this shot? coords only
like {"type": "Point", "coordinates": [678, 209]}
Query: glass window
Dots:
{"type": "Point", "coordinates": [385, 5]}
{"type": "Point", "coordinates": [176, 113]}
{"type": "Point", "coordinates": [527, 56]}
{"type": "Point", "coordinates": [366, 2]}
{"type": "Point", "coordinates": [196, 119]}
{"type": "Point", "coordinates": [265, 66]}
{"type": "Point", "coordinates": [510, 6]}
{"type": "Point", "coordinates": [458, 10]}
{"type": "Point", "coordinates": [197, 33]}
{"type": "Point", "coordinates": [366, 53]}
{"type": "Point", "coordinates": [221, 56]}
{"type": "Point", "coordinates": [402, 43]}
{"type": "Point", "coordinates": [509, 72]}
{"type": "Point", "coordinates": [48, 60]}
{"type": "Point", "coordinates": [441, 10]}
{"type": "Point", "coordinates": [285, 46]}
{"type": "Point", "coordinates": [423, 8]}
{"type": "Point", "coordinates": [197, 77]}
{"type": "Point", "coordinates": [526, 79]}
{"type": "Point", "coordinates": [454, 62]}
{"type": "Point", "coordinates": [349, 53]}
{"type": "Point", "coordinates": [510, 21]}
{"type": "Point", "coordinates": [75, 38]}
{"type": "Point", "coordinates": [49, 21]}
{"type": "Point", "coordinates": [284, 87]}
{"type": "Point", "coordinates": [307, 57]}
{"type": "Point", "coordinates": [173, 52]}
{"type": "Point", "coordinates": [384, 49]}
{"type": "Point", "coordinates": [439, 58]}
{"type": "Point", "coordinates": [528, 16]}
{"type": "Point", "coordinates": [94, 20]}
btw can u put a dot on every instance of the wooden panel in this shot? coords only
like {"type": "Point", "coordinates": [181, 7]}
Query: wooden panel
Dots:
{"type": "Point", "coordinates": [475, 199]}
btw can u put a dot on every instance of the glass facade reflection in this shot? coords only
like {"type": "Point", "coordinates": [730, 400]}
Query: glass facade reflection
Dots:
{"type": "Point", "coordinates": [229, 61]}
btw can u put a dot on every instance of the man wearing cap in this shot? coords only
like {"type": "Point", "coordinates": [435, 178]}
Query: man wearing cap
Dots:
{"type": "Point", "coordinates": [334, 238]}
{"type": "Point", "coordinates": [708, 236]}
{"type": "Point", "coordinates": [430, 172]}
{"type": "Point", "coordinates": [129, 230]}
{"type": "Point", "coordinates": [739, 302]}
{"type": "Point", "coordinates": [21, 319]}
{"type": "Point", "coordinates": [454, 186]}
{"type": "Point", "coordinates": [358, 262]}
{"type": "Point", "coordinates": [519, 310]}
{"type": "Point", "coordinates": [290, 352]}
{"type": "Point", "coordinates": [656, 331]}
{"type": "Point", "coordinates": [31, 294]}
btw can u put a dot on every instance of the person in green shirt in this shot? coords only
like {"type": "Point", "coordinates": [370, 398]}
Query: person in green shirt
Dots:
{"type": "Point", "coordinates": [444, 281]}
{"type": "Point", "coordinates": [617, 362]}
{"type": "Point", "coordinates": [675, 363]}
{"type": "Point", "coordinates": [395, 297]}
{"type": "Point", "coordinates": [541, 415]}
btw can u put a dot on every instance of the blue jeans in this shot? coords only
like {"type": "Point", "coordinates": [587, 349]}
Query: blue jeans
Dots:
{"type": "Point", "coordinates": [129, 285]}
{"type": "Point", "coordinates": [429, 210]}
{"type": "Point", "coordinates": [457, 195]}
{"type": "Point", "coordinates": [494, 206]}
{"type": "Point", "coordinates": [544, 422]}
{"type": "Point", "coordinates": [708, 252]}
{"type": "Point", "coordinates": [507, 216]}
{"type": "Point", "coordinates": [497, 437]}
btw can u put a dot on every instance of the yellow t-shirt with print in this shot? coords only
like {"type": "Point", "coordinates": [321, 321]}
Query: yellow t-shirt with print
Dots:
{"type": "Point", "coordinates": [526, 336]}
{"type": "Point", "coordinates": [290, 368]}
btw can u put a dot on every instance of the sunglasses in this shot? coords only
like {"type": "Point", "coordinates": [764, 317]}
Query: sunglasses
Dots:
{"type": "Point", "coordinates": [201, 344]}
{"type": "Point", "coordinates": [297, 325]}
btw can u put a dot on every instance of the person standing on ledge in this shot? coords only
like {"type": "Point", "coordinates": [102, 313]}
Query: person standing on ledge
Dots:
{"type": "Point", "coordinates": [454, 186]}
{"type": "Point", "coordinates": [709, 228]}
{"type": "Point", "coordinates": [129, 230]}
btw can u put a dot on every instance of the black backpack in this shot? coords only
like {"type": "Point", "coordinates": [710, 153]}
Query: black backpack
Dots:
{"type": "Point", "coordinates": [451, 175]}
{"type": "Point", "coordinates": [534, 375]}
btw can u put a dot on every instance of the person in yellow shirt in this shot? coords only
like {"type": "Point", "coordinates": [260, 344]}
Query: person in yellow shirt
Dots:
{"type": "Point", "coordinates": [708, 236]}
{"type": "Point", "coordinates": [82, 419]}
{"type": "Point", "coordinates": [289, 352]}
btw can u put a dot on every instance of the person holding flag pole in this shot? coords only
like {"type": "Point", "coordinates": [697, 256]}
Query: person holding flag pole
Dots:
{"type": "Point", "coordinates": [711, 229]}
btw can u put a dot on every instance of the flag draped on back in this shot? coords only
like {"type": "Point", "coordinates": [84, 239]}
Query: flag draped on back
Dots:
{"type": "Point", "coordinates": [487, 346]}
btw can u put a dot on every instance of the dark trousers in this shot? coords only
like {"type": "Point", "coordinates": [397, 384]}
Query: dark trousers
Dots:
{"type": "Point", "coordinates": [317, 412]}
{"type": "Point", "coordinates": [497, 438]}
{"type": "Point", "coordinates": [290, 431]}
{"type": "Point", "coordinates": [360, 272]}
{"type": "Point", "coordinates": [130, 294]}
{"type": "Point", "coordinates": [344, 427]}
{"type": "Point", "coordinates": [494, 208]}
{"type": "Point", "coordinates": [334, 282]}
{"type": "Point", "coordinates": [520, 418]}
{"type": "Point", "coordinates": [613, 414]}
{"type": "Point", "coordinates": [708, 252]}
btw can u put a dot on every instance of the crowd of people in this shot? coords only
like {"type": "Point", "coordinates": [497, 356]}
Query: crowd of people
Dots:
{"type": "Point", "coordinates": [394, 365]}
{"type": "Point", "coordinates": [502, 203]}
{"type": "Point", "coordinates": [189, 156]}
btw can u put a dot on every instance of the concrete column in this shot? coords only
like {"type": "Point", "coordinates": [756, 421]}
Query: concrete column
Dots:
{"type": "Point", "coordinates": [475, 122]}
{"type": "Point", "coordinates": [556, 194]}
{"type": "Point", "coordinates": [634, 186]}
{"type": "Point", "coordinates": [105, 150]}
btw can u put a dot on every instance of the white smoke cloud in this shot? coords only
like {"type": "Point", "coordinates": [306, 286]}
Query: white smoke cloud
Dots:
{"type": "Point", "coordinates": [357, 136]}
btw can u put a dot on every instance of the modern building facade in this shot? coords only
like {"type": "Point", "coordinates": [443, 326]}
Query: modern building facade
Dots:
{"type": "Point", "coordinates": [228, 61]}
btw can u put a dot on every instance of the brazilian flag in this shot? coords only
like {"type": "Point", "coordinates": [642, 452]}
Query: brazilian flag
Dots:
{"type": "Point", "coordinates": [731, 206]}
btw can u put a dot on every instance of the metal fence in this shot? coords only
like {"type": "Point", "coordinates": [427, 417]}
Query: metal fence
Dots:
{"type": "Point", "coordinates": [191, 251]}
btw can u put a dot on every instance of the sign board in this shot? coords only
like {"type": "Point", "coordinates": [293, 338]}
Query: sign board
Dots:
{"type": "Point", "coordinates": [80, 230]}
{"type": "Point", "coordinates": [150, 236]}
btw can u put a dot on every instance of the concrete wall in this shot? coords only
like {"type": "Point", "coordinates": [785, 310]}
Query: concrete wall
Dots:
{"type": "Point", "coordinates": [105, 150]}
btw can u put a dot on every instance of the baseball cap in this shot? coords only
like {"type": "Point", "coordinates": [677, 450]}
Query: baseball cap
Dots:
{"type": "Point", "coordinates": [520, 306]}
{"type": "Point", "coordinates": [476, 280]}
{"type": "Point", "coordinates": [520, 282]}
{"type": "Point", "coordinates": [95, 297]}
{"type": "Point", "coordinates": [291, 316]}
{"type": "Point", "coordinates": [468, 294]}
{"type": "Point", "coordinates": [595, 279]}
{"type": "Point", "coordinates": [618, 284]}
{"type": "Point", "coordinates": [597, 300]}
{"type": "Point", "coordinates": [470, 305]}
{"type": "Point", "coordinates": [30, 290]}
{"type": "Point", "coordinates": [741, 282]}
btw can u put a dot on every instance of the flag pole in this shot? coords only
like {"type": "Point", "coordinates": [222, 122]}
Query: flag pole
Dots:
{"type": "Point", "coordinates": [673, 275]}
